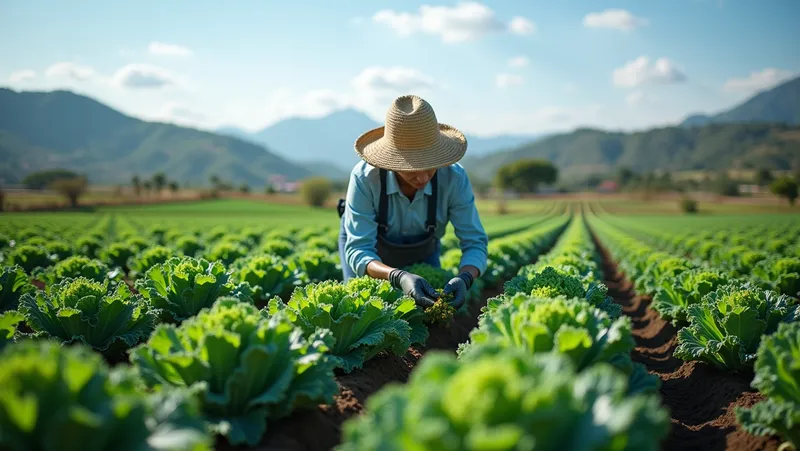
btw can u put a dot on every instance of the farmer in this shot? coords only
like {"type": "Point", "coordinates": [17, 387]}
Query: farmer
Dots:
{"type": "Point", "coordinates": [400, 199]}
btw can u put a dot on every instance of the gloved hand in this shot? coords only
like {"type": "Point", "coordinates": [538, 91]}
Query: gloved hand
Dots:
{"type": "Point", "coordinates": [459, 286]}
{"type": "Point", "coordinates": [414, 287]}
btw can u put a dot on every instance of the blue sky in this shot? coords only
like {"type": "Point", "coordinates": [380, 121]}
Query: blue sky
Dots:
{"type": "Point", "coordinates": [492, 67]}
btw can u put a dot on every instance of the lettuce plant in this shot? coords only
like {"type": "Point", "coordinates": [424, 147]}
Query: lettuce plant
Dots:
{"type": "Point", "coordinates": [555, 282]}
{"type": "Point", "coordinates": [248, 369]}
{"type": "Point", "coordinates": [316, 266]}
{"type": "Point", "coordinates": [676, 294]}
{"type": "Point", "coordinates": [361, 326]}
{"type": "Point", "coordinates": [507, 401]}
{"type": "Point", "coordinates": [226, 252]}
{"type": "Point", "coordinates": [572, 327]}
{"type": "Point", "coordinates": [88, 246]}
{"type": "Point", "coordinates": [13, 284]}
{"type": "Point", "coordinates": [8, 326]}
{"type": "Point", "coordinates": [778, 379]}
{"type": "Point", "coordinates": [182, 286]}
{"type": "Point", "coordinates": [280, 247]}
{"type": "Point", "coordinates": [117, 255]}
{"type": "Point", "coordinates": [779, 274]}
{"type": "Point", "coordinates": [725, 329]}
{"type": "Point", "coordinates": [404, 307]}
{"type": "Point", "coordinates": [188, 245]}
{"type": "Point", "coordinates": [109, 319]}
{"type": "Point", "coordinates": [77, 266]}
{"type": "Point", "coordinates": [146, 259]}
{"type": "Point", "coordinates": [63, 398]}
{"type": "Point", "coordinates": [268, 275]}
{"type": "Point", "coordinates": [29, 257]}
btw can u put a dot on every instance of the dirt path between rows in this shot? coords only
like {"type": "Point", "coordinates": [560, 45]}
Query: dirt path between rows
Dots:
{"type": "Point", "coordinates": [700, 397]}
{"type": "Point", "coordinates": [320, 429]}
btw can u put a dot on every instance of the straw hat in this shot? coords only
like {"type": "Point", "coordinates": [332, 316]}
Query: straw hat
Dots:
{"type": "Point", "coordinates": [412, 139]}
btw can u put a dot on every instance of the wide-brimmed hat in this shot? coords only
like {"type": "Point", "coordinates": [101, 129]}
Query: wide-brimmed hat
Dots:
{"type": "Point", "coordinates": [412, 139]}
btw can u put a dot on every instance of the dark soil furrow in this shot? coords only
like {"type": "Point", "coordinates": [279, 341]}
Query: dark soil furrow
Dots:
{"type": "Point", "coordinates": [700, 397]}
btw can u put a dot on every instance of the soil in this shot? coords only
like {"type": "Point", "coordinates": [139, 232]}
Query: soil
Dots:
{"type": "Point", "coordinates": [320, 429]}
{"type": "Point", "coordinates": [700, 397]}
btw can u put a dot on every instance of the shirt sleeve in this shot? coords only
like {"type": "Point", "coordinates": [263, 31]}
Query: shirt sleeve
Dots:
{"type": "Point", "coordinates": [467, 224]}
{"type": "Point", "coordinates": [361, 226]}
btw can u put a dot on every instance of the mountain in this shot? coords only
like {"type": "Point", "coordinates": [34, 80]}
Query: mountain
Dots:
{"type": "Point", "coordinates": [780, 104]}
{"type": "Point", "coordinates": [328, 141]}
{"type": "Point", "coordinates": [61, 129]}
{"type": "Point", "coordinates": [713, 146]}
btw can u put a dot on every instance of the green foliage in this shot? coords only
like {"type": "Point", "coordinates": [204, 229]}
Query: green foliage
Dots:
{"type": "Point", "coordinates": [72, 188]}
{"type": "Point", "coordinates": [13, 284]}
{"type": "Point", "coordinates": [441, 312]}
{"type": "Point", "coordinates": [63, 398]}
{"type": "Point", "coordinates": [778, 379]}
{"type": "Point", "coordinates": [146, 259]}
{"type": "Point", "coordinates": [267, 274]}
{"type": "Point", "coordinates": [110, 319]}
{"type": "Point", "coordinates": [785, 187]}
{"type": "Point", "coordinates": [675, 295]}
{"type": "Point", "coordinates": [725, 329]}
{"type": "Point", "coordinates": [249, 370]}
{"type": "Point", "coordinates": [8, 327]}
{"type": "Point", "coordinates": [688, 205]}
{"type": "Point", "coordinates": [525, 176]}
{"type": "Point", "coordinates": [507, 401]}
{"type": "Point", "coordinates": [362, 325]}
{"type": "Point", "coordinates": [182, 286]}
{"type": "Point", "coordinates": [43, 179]}
{"type": "Point", "coordinates": [77, 266]}
{"type": "Point", "coordinates": [316, 190]}
{"type": "Point", "coordinates": [29, 257]}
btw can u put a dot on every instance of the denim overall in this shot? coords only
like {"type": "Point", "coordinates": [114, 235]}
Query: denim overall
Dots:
{"type": "Point", "coordinates": [419, 249]}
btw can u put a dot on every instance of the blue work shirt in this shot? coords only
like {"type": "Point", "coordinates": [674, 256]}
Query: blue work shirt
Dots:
{"type": "Point", "coordinates": [406, 218]}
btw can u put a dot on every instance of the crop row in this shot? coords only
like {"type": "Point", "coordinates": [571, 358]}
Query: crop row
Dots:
{"type": "Point", "coordinates": [195, 337]}
{"type": "Point", "coordinates": [547, 367]}
{"type": "Point", "coordinates": [735, 324]}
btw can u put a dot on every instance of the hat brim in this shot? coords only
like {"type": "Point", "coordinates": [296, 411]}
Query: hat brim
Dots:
{"type": "Point", "coordinates": [449, 148]}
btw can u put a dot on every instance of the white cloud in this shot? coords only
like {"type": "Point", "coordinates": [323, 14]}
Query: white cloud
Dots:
{"type": "Point", "coordinates": [22, 76]}
{"type": "Point", "coordinates": [144, 76]}
{"type": "Point", "coordinates": [548, 118]}
{"type": "Point", "coordinates": [618, 19]}
{"type": "Point", "coordinates": [521, 25]}
{"type": "Point", "coordinates": [395, 78]}
{"type": "Point", "coordinates": [508, 80]}
{"type": "Point", "coordinates": [758, 81]}
{"type": "Point", "coordinates": [640, 71]}
{"type": "Point", "coordinates": [73, 71]}
{"type": "Point", "coordinates": [463, 22]}
{"type": "Point", "coordinates": [165, 49]}
{"type": "Point", "coordinates": [179, 113]}
{"type": "Point", "coordinates": [519, 61]}
{"type": "Point", "coordinates": [637, 98]}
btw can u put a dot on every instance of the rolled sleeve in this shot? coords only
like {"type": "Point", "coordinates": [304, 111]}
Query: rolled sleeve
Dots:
{"type": "Point", "coordinates": [467, 224]}
{"type": "Point", "coordinates": [361, 227]}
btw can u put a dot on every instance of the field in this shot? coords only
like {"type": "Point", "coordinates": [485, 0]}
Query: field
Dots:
{"type": "Point", "coordinates": [600, 323]}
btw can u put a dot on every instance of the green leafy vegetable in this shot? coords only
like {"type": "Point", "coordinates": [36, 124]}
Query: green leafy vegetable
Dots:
{"type": "Point", "coordinates": [182, 286]}
{"type": "Point", "coordinates": [63, 398]}
{"type": "Point", "coordinates": [109, 319]}
{"type": "Point", "coordinates": [507, 401]}
{"type": "Point", "coordinates": [249, 369]}
{"type": "Point", "coordinates": [13, 284]}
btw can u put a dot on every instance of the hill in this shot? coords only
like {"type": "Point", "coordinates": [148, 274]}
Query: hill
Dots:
{"type": "Point", "coordinates": [43, 130]}
{"type": "Point", "coordinates": [713, 146]}
{"type": "Point", "coordinates": [780, 104]}
{"type": "Point", "coordinates": [328, 140]}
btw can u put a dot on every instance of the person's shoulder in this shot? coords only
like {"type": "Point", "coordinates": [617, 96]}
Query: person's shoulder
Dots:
{"type": "Point", "coordinates": [365, 174]}
{"type": "Point", "coordinates": [455, 172]}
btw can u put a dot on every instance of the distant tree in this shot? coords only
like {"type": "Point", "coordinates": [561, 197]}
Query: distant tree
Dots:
{"type": "Point", "coordinates": [270, 189]}
{"type": "Point", "coordinates": [764, 177]}
{"type": "Point", "coordinates": [159, 181]}
{"type": "Point", "coordinates": [244, 188]}
{"type": "Point", "coordinates": [688, 205]}
{"type": "Point", "coordinates": [725, 186]}
{"type": "Point", "coordinates": [147, 185]}
{"type": "Point", "coordinates": [43, 179]}
{"type": "Point", "coordinates": [136, 182]}
{"type": "Point", "coordinates": [173, 186]}
{"type": "Point", "coordinates": [785, 187]}
{"type": "Point", "coordinates": [215, 181]}
{"type": "Point", "coordinates": [625, 176]}
{"type": "Point", "coordinates": [525, 176]}
{"type": "Point", "coordinates": [2, 198]}
{"type": "Point", "coordinates": [315, 190]}
{"type": "Point", "coordinates": [71, 188]}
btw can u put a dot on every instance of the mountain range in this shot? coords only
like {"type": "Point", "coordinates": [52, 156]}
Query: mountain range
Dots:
{"type": "Point", "coordinates": [61, 129]}
{"type": "Point", "coordinates": [329, 140]}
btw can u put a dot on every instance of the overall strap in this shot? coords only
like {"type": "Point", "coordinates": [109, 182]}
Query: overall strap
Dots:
{"type": "Point", "coordinates": [383, 206]}
{"type": "Point", "coordinates": [430, 223]}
